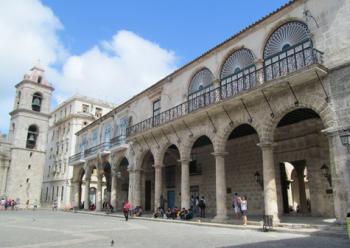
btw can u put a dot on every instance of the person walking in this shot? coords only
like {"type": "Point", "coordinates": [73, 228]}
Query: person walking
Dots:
{"type": "Point", "coordinates": [236, 202]}
{"type": "Point", "coordinates": [244, 208]}
{"type": "Point", "coordinates": [202, 206]}
{"type": "Point", "coordinates": [126, 209]}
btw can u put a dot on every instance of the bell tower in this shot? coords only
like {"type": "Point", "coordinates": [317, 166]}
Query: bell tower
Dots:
{"type": "Point", "coordinates": [28, 136]}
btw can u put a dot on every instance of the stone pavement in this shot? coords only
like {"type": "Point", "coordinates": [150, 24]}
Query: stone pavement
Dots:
{"type": "Point", "coordinates": [25, 229]}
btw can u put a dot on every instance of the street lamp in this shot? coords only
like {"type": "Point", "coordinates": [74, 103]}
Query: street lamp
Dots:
{"type": "Point", "coordinates": [259, 179]}
{"type": "Point", "coordinates": [345, 138]}
{"type": "Point", "coordinates": [326, 174]}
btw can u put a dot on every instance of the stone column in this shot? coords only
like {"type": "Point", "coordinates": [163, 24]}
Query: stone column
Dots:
{"type": "Point", "coordinates": [185, 183]}
{"type": "Point", "coordinates": [158, 186]}
{"type": "Point", "coordinates": [340, 171]}
{"type": "Point", "coordinates": [114, 190]}
{"type": "Point", "coordinates": [75, 194]}
{"type": "Point", "coordinates": [302, 193]}
{"type": "Point", "coordinates": [87, 191]}
{"type": "Point", "coordinates": [131, 188]}
{"type": "Point", "coordinates": [270, 190]}
{"type": "Point", "coordinates": [220, 175]}
{"type": "Point", "coordinates": [99, 192]}
{"type": "Point", "coordinates": [137, 188]}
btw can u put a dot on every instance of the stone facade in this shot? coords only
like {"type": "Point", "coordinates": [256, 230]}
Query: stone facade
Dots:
{"type": "Point", "coordinates": [66, 119]}
{"type": "Point", "coordinates": [239, 133]}
{"type": "Point", "coordinates": [28, 137]}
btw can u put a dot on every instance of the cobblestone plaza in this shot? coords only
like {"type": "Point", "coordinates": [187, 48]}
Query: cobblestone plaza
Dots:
{"type": "Point", "coordinates": [27, 229]}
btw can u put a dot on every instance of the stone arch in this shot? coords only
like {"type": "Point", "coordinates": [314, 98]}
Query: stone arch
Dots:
{"type": "Point", "coordinates": [140, 156]}
{"type": "Point", "coordinates": [78, 173]}
{"type": "Point", "coordinates": [224, 133]}
{"type": "Point", "coordinates": [164, 148]}
{"type": "Point", "coordinates": [275, 28]}
{"type": "Point", "coordinates": [187, 144]}
{"type": "Point", "coordinates": [318, 105]}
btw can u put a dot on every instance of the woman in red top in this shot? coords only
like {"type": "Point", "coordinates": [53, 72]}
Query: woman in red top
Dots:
{"type": "Point", "coordinates": [126, 209]}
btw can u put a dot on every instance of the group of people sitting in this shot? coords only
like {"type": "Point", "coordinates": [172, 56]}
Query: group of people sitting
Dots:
{"type": "Point", "coordinates": [7, 204]}
{"type": "Point", "coordinates": [174, 213]}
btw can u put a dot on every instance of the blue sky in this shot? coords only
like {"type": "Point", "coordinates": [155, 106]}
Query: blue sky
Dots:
{"type": "Point", "coordinates": [187, 27]}
{"type": "Point", "coordinates": [91, 47]}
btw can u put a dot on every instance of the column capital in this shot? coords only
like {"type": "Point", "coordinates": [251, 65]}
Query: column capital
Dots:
{"type": "Point", "coordinates": [157, 166]}
{"type": "Point", "coordinates": [266, 145]}
{"type": "Point", "coordinates": [184, 160]}
{"type": "Point", "coordinates": [219, 154]}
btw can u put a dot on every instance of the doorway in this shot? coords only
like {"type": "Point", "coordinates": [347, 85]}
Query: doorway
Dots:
{"type": "Point", "coordinates": [171, 198]}
{"type": "Point", "coordinates": [148, 192]}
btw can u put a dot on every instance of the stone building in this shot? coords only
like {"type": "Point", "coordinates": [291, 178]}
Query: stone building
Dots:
{"type": "Point", "coordinates": [4, 163]}
{"type": "Point", "coordinates": [66, 119]}
{"type": "Point", "coordinates": [27, 138]}
{"type": "Point", "coordinates": [264, 114]}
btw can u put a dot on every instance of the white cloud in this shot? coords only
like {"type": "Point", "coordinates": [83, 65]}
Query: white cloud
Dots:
{"type": "Point", "coordinates": [113, 70]}
{"type": "Point", "coordinates": [117, 69]}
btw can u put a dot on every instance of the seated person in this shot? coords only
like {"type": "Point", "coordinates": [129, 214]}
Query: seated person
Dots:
{"type": "Point", "coordinates": [168, 213]}
{"type": "Point", "coordinates": [157, 213]}
{"type": "Point", "coordinates": [183, 213]}
{"type": "Point", "coordinates": [189, 214]}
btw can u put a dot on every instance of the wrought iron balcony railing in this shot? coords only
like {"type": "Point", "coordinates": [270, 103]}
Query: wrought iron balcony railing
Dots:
{"type": "Point", "coordinates": [103, 147]}
{"type": "Point", "coordinates": [116, 141]}
{"type": "Point", "coordinates": [76, 157]}
{"type": "Point", "coordinates": [279, 65]}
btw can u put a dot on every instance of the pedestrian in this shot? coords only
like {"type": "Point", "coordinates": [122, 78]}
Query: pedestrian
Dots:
{"type": "Point", "coordinates": [244, 209]}
{"type": "Point", "coordinates": [202, 206]}
{"type": "Point", "coordinates": [126, 209]}
{"type": "Point", "coordinates": [196, 206]}
{"type": "Point", "coordinates": [236, 201]}
{"type": "Point", "coordinates": [193, 202]}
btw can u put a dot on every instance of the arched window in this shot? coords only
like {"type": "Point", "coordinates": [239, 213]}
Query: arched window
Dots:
{"type": "Point", "coordinates": [202, 81]}
{"type": "Point", "coordinates": [36, 102]}
{"type": "Point", "coordinates": [238, 72]}
{"type": "Point", "coordinates": [18, 99]}
{"type": "Point", "coordinates": [285, 37]}
{"type": "Point", "coordinates": [288, 49]}
{"type": "Point", "coordinates": [236, 62]}
{"type": "Point", "coordinates": [32, 136]}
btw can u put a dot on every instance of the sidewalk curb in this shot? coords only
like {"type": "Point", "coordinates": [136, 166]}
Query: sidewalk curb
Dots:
{"type": "Point", "coordinates": [302, 231]}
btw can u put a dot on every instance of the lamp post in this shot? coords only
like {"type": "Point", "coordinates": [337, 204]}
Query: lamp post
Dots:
{"type": "Point", "coordinates": [259, 179]}
{"type": "Point", "coordinates": [345, 138]}
{"type": "Point", "coordinates": [326, 173]}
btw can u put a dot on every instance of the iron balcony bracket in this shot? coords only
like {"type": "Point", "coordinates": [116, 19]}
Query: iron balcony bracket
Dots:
{"type": "Point", "coordinates": [178, 138]}
{"type": "Point", "coordinates": [155, 140]}
{"type": "Point", "coordinates": [144, 139]}
{"type": "Point", "coordinates": [166, 136]}
{"type": "Point", "coordinates": [268, 103]}
{"type": "Point", "coordinates": [212, 123]}
{"type": "Point", "coordinates": [323, 88]}
{"type": "Point", "coordinates": [228, 116]}
{"type": "Point", "coordinates": [191, 134]}
{"type": "Point", "coordinates": [250, 120]}
{"type": "Point", "coordinates": [296, 102]}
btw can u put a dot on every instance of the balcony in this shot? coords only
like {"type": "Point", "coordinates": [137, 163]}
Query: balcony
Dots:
{"type": "Point", "coordinates": [103, 148]}
{"type": "Point", "coordinates": [276, 68]}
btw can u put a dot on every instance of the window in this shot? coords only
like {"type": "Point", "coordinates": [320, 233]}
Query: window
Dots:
{"type": "Point", "coordinates": [85, 108]}
{"type": "Point", "coordinates": [84, 142]}
{"type": "Point", "coordinates": [98, 112]}
{"type": "Point", "coordinates": [36, 102]}
{"type": "Point", "coordinates": [62, 193]}
{"type": "Point", "coordinates": [40, 79]}
{"type": "Point", "coordinates": [57, 192]}
{"type": "Point", "coordinates": [29, 167]}
{"type": "Point", "coordinates": [32, 136]}
{"type": "Point", "coordinates": [48, 174]}
{"type": "Point", "coordinates": [18, 98]}
{"type": "Point", "coordinates": [156, 112]}
{"type": "Point", "coordinates": [53, 192]}
{"type": "Point", "coordinates": [94, 137]}
{"type": "Point", "coordinates": [107, 132]}
{"type": "Point", "coordinates": [27, 180]}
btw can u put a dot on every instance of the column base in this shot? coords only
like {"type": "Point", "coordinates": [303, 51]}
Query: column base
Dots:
{"type": "Point", "coordinates": [220, 218]}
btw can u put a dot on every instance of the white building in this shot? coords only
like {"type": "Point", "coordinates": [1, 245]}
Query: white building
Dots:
{"type": "Point", "coordinates": [67, 119]}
